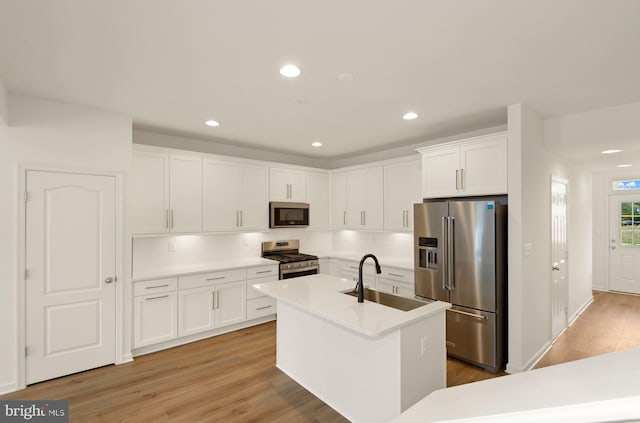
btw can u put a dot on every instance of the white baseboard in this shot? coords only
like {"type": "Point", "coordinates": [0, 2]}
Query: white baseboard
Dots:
{"type": "Point", "coordinates": [580, 310]}
{"type": "Point", "coordinates": [8, 388]}
{"type": "Point", "coordinates": [126, 358]}
{"type": "Point", "coordinates": [533, 360]}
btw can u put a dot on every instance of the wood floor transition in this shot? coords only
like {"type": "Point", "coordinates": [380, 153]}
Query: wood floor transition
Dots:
{"type": "Point", "coordinates": [232, 377]}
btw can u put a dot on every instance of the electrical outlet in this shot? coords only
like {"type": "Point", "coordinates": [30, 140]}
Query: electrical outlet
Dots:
{"type": "Point", "coordinates": [424, 344]}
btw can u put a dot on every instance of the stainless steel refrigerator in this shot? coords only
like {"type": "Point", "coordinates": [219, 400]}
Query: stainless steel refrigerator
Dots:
{"type": "Point", "coordinates": [461, 258]}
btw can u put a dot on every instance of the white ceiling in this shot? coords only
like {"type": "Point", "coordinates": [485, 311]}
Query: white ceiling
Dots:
{"type": "Point", "coordinates": [173, 64]}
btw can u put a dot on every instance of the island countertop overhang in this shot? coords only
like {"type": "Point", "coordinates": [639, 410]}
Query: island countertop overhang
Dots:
{"type": "Point", "coordinates": [323, 296]}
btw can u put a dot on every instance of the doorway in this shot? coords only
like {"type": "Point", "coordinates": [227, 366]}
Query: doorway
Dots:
{"type": "Point", "coordinates": [70, 273]}
{"type": "Point", "coordinates": [559, 280]}
{"type": "Point", "coordinates": [624, 247]}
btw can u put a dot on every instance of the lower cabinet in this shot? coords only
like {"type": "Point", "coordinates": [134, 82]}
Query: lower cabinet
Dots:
{"type": "Point", "coordinates": [155, 312]}
{"type": "Point", "coordinates": [396, 281]}
{"type": "Point", "coordinates": [351, 269]}
{"type": "Point", "coordinates": [210, 307]}
{"type": "Point", "coordinates": [259, 305]}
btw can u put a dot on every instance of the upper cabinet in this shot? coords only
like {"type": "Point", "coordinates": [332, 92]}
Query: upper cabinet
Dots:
{"type": "Point", "coordinates": [476, 166]}
{"type": "Point", "coordinates": [287, 185]}
{"type": "Point", "coordinates": [365, 198]}
{"type": "Point", "coordinates": [402, 188]}
{"type": "Point", "coordinates": [339, 199]}
{"type": "Point", "coordinates": [167, 192]}
{"type": "Point", "coordinates": [318, 199]}
{"type": "Point", "coordinates": [235, 196]}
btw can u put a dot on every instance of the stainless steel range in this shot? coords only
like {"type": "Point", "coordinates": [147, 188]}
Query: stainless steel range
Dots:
{"type": "Point", "coordinates": [292, 262]}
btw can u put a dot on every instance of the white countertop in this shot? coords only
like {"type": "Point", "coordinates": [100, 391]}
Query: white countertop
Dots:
{"type": "Point", "coordinates": [200, 268]}
{"type": "Point", "coordinates": [595, 389]}
{"type": "Point", "coordinates": [321, 296]}
{"type": "Point", "coordinates": [406, 264]}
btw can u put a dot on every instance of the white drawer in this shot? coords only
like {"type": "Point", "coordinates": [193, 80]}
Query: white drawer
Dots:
{"type": "Point", "coordinates": [394, 273]}
{"type": "Point", "coordinates": [253, 293]}
{"type": "Point", "coordinates": [354, 266]}
{"type": "Point", "coordinates": [205, 279]}
{"type": "Point", "coordinates": [155, 286]}
{"type": "Point", "coordinates": [259, 307]}
{"type": "Point", "coordinates": [262, 271]}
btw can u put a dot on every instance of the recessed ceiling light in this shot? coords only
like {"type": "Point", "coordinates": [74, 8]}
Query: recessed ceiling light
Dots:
{"type": "Point", "coordinates": [610, 151]}
{"type": "Point", "coordinates": [624, 165]}
{"type": "Point", "coordinates": [316, 144]}
{"type": "Point", "coordinates": [211, 122]}
{"type": "Point", "coordinates": [410, 116]}
{"type": "Point", "coordinates": [290, 71]}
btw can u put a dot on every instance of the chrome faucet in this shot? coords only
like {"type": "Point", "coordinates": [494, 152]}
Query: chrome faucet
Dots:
{"type": "Point", "coordinates": [360, 284]}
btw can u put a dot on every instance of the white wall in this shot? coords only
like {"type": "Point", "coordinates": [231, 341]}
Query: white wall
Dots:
{"type": "Point", "coordinates": [389, 247]}
{"type": "Point", "coordinates": [152, 253]}
{"type": "Point", "coordinates": [46, 133]}
{"type": "Point", "coordinates": [531, 166]}
{"type": "Point", "coordinates": [4, 109]}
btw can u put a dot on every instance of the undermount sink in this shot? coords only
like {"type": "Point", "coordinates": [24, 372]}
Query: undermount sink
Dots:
{"type": "Point", "coordinates": [389, 300]}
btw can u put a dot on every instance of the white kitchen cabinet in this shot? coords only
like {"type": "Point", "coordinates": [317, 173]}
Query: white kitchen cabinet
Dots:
{"type": "Point", "coordinates": [318, 199]}
{"type": "Point", "coordinates": [211, 300]}
{"type": "Point", "coordinates": [287, 185]}
{"type": "Point", "coordinates": [365, 198]}
{"type": "Point", "coordinates": [396, 281]}
{"type": "Point", "coordinates": [350, 270]}
{"type": "Point", "coordinates": [235, 196]}
{"type": "Point", "coordinates": [476, 166]}
{"type": "Point", "coordinates": [259, 305]}
{"type": "Point", "coordinates": [324, 268]}
{"type": "Point", "coordinates": [402, 188]}
{"type": "Point", "coordinates": [334, 267]}
{"type": "Point", "coordinates": [155, 312]}
{"type": "Point", "coordinates": [167, 192]}
{"type": "Point", "coordinates": [339, 199]}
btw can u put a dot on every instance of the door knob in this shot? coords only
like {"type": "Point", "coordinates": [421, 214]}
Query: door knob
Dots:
{"type": "Point", "coordinates": [555, 266]}
{"type": "Point", "coordinates": [108, 280]}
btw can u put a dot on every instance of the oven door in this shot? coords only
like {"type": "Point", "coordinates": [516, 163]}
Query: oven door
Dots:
{"type": "Point", "coordinates": [294, 273]}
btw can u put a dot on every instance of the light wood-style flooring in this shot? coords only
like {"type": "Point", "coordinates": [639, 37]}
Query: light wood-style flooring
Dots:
{"type": "Point", "coordinates": [232, 377]}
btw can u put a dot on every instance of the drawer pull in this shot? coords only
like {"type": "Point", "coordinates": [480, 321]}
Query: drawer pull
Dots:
{"type": "Point", "coordinates": [396, 275]}
{"type": "Point", "coordinates": [156, 298]}
{"type": "Point", "coordinates": [263, 308]}
{"type": "Point", "coordinates": [156, 286]}
{"type": "Point", "coordinates": [353, 267]}
{"type": "Point", "coordinates": [216, 278]}
{"type": "Point", "coordinates": [264, 271]}
{"type": "Point", "coordinates": [477, 316]}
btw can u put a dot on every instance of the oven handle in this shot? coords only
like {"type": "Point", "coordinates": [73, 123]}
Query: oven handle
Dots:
{"type": "Point", "coordinates": [300, 270]}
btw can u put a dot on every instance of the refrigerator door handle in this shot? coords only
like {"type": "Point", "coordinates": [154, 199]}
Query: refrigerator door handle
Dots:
{"type": "Point", "coordinates": [445, 255]}
{"type": "Point", "coordinates": [451, 256]}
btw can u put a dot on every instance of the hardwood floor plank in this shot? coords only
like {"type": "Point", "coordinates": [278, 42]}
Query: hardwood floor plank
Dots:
{"type": "Point", "coordinates": [233, 378]}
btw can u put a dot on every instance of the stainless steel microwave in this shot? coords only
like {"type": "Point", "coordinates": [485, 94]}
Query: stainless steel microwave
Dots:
{"type": "Point", "coordinates": [288, 215]}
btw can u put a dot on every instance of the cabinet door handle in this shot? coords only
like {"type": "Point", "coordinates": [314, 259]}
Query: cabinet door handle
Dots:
{"type": "Point", "coordinates": [213, 300]}
{"type": "Point", "coordinates": [218, 300]}
{"type": "Point", "coordinates": [217, 278]}
{"type": "Point", "coordinates": [457, 179]}
{"type": "Point", "coordinates": [396, 275]}
{"type": "Point", "coordinates": [157, 298]}
{"type": "Point", "coordinates": [171, 218]}
{"type": "Point", "coordinates": [344, 217]}
{"type": "Point", "coordinates": [264, 271]}
{"type": "Point", "coordinates": [263, 308]}
{"type": "Point", "coordinates": [461, 178]}
{"type": "Point", "coordinates": [241, 216]}
{"type": "Point", "coordinates": [166, 218]}
{"type": "Point", "coordinates": [156, 286]}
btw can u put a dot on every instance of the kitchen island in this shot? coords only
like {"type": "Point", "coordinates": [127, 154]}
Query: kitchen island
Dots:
{"type": "Point", "coordinates": [368, 361]}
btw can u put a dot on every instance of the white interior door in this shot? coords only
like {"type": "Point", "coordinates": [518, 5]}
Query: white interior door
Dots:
{"type": "Point", "coordinates": [624, 251]}
{"type": "Point", "coordinates": [559, 282]}
{"type": "Point", "coordinates": [70, 268]}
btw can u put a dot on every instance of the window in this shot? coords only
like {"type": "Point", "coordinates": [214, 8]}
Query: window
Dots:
{"type": "Point", "coordinates": [626, 185]}
{"type": "Point", "coordinates": [630, 223]}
